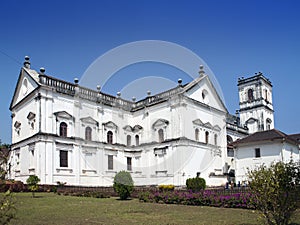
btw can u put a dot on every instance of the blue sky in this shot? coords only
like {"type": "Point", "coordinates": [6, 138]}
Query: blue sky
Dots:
{"type": "Point", "coordinates": [235, 38]}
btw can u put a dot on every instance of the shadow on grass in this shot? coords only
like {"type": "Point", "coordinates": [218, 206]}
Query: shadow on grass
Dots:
{"type": "Point", "coordinates": [38, 196]}
{"type": "Point", "coordinates": [128, 199]}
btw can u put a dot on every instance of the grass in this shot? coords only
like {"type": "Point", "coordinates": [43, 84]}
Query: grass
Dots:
{"type": "Point", "coordinates": [49, 208]}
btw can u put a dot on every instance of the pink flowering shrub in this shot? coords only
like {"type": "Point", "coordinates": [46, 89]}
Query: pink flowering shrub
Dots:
{"type": "Point", "coordinates": [202, 198]}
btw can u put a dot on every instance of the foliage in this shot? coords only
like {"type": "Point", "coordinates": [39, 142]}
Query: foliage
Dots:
{"type": "Point", "coordinates": [32, 183]}
{"type": "Point", "coordinates": [196, 184]}
{"type": "Point", "coordinates": [274, 191]}
{"type": "Point", "coordinates": [166, 187]}
{"type": "Point", "coordinates": [4, 155]}
{"type": "Point", "coordinates": [7, 208]}
{"type": "Point", "coordinates": [123, 184]}
{"type": "Point", "coordinates": [201, 198]}
{"type": "Point", "coordinates": [93, 194]}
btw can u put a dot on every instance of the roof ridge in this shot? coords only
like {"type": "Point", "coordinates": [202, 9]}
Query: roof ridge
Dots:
{"type": "Point", "coordinates": [280, 132]}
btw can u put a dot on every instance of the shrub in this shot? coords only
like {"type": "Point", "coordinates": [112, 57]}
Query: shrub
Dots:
{"type": "Point", "coordinates": [7, 208]}
{"type": "Point", "coordinates": [166, 187]}
{"type": "Point", "coordinates": [274, 191]}
{"type": "Point", "coordinates": [123, 184]}
{"type": "Point", "coordinates": [195, 184]}
{"type": "Point", "coordinates": [32, 183]}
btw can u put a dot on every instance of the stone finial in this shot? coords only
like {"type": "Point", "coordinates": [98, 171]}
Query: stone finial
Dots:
{"type": "Point", "coordinates": [201, 71]}
{"type": "Point", "coordinates": [133, 99]}
{"type": "Point", "coordinates": [27, 62]}
{"type": "Point", "coordinates": [76, 80]}
{"type": "Point", "coordinates": [179, 82]}
{"type": "Point", "coordinates": [149, 93]}
{"type": "Point", "coordinates": [42, 70]}
{"type": "Point", "coordinates": [118, 94]}
{"type": "Point", "coordinates": [98, 88]}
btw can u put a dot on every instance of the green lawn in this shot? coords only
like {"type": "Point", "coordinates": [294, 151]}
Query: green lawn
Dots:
{"type": "Point", "coordinates": [49, 208]}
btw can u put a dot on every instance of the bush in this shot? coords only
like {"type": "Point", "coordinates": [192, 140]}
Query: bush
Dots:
{"type": "Point", "coordinates": [123, 184]}
{"type": "Point", "coordinates": [32, 183]}
{"type": "Point", "coordinates": [274, 191]}
{"type": "Point", "coordinates": [195, 184]}
{"type": "Point", "coordinates": [166, 187]}
{"type": "Point", "coordinates": [7, 208]}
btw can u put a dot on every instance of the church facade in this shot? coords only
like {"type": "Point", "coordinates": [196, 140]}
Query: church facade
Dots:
{"type": "Point", "coordinates": [63, 132]}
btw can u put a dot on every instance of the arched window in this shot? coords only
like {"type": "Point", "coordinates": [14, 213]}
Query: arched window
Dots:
{"type": "Point", "coordinates": [206, 137]}
{"type": "Point", "coordinates": [109, 137]}
{"type": "Point", "coordinates": [216, 139]}
{"type": "Point", "coordinates": [197, 134]}
{"type": "Point", "coordinates": [250, 94]}
{"type": "Point", "coordinates": [88, 133]}
{"type": "Point", "coordinates": [161, 135]}
{"type": "Point", "coordinates": [128, 140]}
{"type": "Point", "coordinates": [63, 127]}
{"type": "Point", "coordinates": [229, 139]}
{"type": "Point", "coordinates": [268, 124]}
{"type": "Point", "coordinates": [137, 140]}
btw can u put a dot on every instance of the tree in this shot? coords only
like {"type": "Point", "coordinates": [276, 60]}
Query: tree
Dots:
{"type": "Point", "coordinates": [7, 208]}
{"type": "Point", "coordinates": [274, 191]}
{"type": "Point", "coordinates": [32, 183]}
{"type": "Point", "coordinates": [4, 155]}
{"type": "Point", "coordinates": [123, 184]}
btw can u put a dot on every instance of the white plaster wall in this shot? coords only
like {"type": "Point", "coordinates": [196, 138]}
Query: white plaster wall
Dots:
{"type": "Point", "coordinates": [270, 152]}
{"type": "Point", "coordinates": [21, 116]}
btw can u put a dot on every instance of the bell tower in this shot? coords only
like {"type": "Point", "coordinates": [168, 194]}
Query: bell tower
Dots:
{"type": "Point", "coordinates": [256, 104]}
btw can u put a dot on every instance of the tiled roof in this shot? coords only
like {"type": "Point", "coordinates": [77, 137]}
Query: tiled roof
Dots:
{"type": "Point", "coordinates": [269, 135]}
{"type": "Point", "coordinates": [295, 137]}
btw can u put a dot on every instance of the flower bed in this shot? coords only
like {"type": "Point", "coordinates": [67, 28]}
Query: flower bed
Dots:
{"type": "Point", "coordinates": [202, 198]}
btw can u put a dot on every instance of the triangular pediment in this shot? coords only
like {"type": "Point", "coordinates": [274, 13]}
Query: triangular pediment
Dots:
{"type": "Point", "coordinates": [26, 84]}
{"type": "Point", "coordinates": [160, 123]}
{"type": "Point", "coordinates": [198, 122]}
{"type": "Point", "coordinates": [110, 125]}
{"type": "Point", "coordinates": [208, 125]}
{"type": "Point", "coordinates": [17, 124]}
{"type": "Point", "coordinates": [202, 90]}
{"type": "Point", "coordinates": [89, 120]}
{"type": "Point", "coordinates": [128, 128]}
{"type": "Point", "coordinates": [31, 116]}
{"type": "Point", "coordinates": [63, 114]}
{"type": "Point", "coordinates": [217, 128]}
{"type": "Point", "coordinates": [137, 128]}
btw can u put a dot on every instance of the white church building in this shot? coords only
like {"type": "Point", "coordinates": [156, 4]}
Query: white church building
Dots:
{"type": "Point", "coordinates": [63, 132]}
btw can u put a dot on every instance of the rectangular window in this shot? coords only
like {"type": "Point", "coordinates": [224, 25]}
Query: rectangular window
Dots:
{"type": "Point", "coordinates": [129, 165]}
{"type": "Point", "coordinates": [110, 162]}
{"type": "Point", "coordinates": [63, 157]}
{"type": "Point", "coordinates": [257, 152]}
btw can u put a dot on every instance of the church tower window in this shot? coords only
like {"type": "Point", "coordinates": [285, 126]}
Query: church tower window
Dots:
{"type": "Point", "coordinates": [250, 95]}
